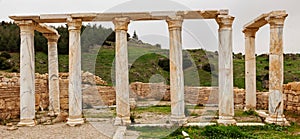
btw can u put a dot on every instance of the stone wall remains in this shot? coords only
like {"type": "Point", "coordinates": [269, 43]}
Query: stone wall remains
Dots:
{"type": "Point", "coordinates": [95, 95]}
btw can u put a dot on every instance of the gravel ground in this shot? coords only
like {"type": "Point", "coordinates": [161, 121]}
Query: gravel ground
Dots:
{"type": "Point", "coordinates": [56, 131]}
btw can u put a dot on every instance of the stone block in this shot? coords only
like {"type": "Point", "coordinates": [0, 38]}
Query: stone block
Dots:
{"type": "Point", "coordinates": [2, 104]}
{"type": "Point", "coordinates": [290, 97]}
{"type": "Point", "coordinates": [289, 108]}
{"type": "Point", "coordinates": [296, 99]}
{"type": "Point", "coordinates": [295, 86]}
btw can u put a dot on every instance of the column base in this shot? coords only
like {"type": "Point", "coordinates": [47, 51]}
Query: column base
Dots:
{"type": "Point", "coordinates": [122, 121]}
{"type": "Point", "coordinates": [26, 122]}
{"type": "Point", "coordinates": [226, 120]}
{"type": "Point", "coordinates": [280, 120]}
{"type": "Point", "coordinates": [75, 121]}
{"type": "Point", "coordinates": [178, 120]}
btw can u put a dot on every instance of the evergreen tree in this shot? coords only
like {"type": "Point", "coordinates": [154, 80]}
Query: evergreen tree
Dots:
{"type": "Point", "coordinates": [135, 36]}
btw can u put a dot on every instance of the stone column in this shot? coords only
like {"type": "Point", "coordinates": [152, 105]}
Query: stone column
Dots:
{"type": "Point", "coordinates": [122, 77]}
{"type": "Point", "coordinates": [27, 73]}
{"type": "Point", "coordinates": [53, 77]}
{"type": "Point", "coordinates": [250, 68]}
{"type": "Point", "coordinates": [176, 72]}
{"type": "Point", "coordinates": [276, 70]}
{"type": "Point", "coordinates": [75, 92]}
{"type": "Point", "coordinates": [226, 98]}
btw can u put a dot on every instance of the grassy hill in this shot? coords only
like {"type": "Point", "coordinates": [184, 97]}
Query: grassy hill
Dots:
{"type": "Point", "coordinates": [150, 64]}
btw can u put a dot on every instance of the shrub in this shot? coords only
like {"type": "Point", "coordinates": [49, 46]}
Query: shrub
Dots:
{"type": "Point", "coordinates": [5, 55]}
{"type": "Point", "coordinates": [164, 63]}
{"type": "Point", "coordinates": [224, 132]}
{"type": "Point", "coordinates": [207, 67]}
{"type": "Point", "coordinates": [5, 64]}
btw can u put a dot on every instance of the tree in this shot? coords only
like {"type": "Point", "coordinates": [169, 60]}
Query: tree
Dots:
{"type": "Point", "coordinates": [135, 36]}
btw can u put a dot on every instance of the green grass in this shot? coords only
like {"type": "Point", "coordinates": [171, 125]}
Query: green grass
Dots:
{"type": "Point", "coordinates": [153, 109]}
{"type": "Point", "coordinates": [143, 62]}
{"type": "Point", "coordinates": [152, 132]}
{"type": "Point", "coordinates": [216, 132]}
{"type": "Point", "coordinates": [242, 113]}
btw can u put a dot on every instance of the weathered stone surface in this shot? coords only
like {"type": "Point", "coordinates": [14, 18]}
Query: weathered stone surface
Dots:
{"type": "Point", "coordinates": [122, 77]}
{"type": "Point", "coordinates": [176, 71]}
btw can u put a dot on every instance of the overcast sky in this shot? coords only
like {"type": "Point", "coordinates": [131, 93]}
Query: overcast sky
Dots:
{"type": "Point", "coordinates": [196, 33]}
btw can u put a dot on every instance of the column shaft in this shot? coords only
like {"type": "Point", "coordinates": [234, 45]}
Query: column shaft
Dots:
{"type": "Point", "coordinates": [176, 71]}
{"type": "Point", "coordinates": [53, 77]}
{"type": "Point", "coordinates": [27, 74]}
{"type": "Point", "coordinates": [276, 70]}
{"type": "Point", "coordinates": [121, 67]}
{"type": "Point", "coordinates": [250, 69]}
{"type": "Point", "coordinates": [226, 98]}
{"type": "Point", "coordinates": [75, 92]}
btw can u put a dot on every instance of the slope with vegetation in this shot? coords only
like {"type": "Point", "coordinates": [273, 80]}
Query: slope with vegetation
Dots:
{"type": "Point", "coordinates": [148, 63]}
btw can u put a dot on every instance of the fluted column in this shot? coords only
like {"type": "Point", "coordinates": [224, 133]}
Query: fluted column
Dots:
{"type": "Point", "coordinates": [53, 77]}
{"type": "Point", "coordinates": [226, 104]}
{"type": "Point", "coordinates": [122, 77]}
{"type": "Point", "coordinates": [276, 70]}
{"type": "Point", "coordinates": [27, 73]}
{"type": "Point", "coordinates": [250, 68]}
{"type": "Point", "coordinates": [75, 92]}
{"type": "Point", "coordinates": [176, 72]}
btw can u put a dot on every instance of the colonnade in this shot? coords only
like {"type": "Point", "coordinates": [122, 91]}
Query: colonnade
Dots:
{"type": "Point", "coordinates": [226, 96]}
{"type": "Point", "coordinates": [276, 21]}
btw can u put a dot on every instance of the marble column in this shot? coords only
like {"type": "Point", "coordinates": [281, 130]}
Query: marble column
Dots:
{"type": "Point", "coordinates": [75, 92]}
{"type": "Point", "coordinates": [250, 68]}
{"type": "Point", "coordinates": [121, 67]}
{"type": "Point", "coordinates": [276, 70]}
{"type": "Point", "coordinates": [53, 77]}
{"type": "Point", "coordinates": [176, 72]}
{"type": "Point", "coordinates": [27, 73]}
{"type": "Point", "coordinates": [226, 98]}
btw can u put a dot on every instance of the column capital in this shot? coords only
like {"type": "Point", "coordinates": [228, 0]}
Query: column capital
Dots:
{"type": "Point", "coordinates": [121, 23]}
{"type": "Point", "coordinates": [250, 32]}
{"type": "Point", "coordinates": [225, 21]}
{"type": "Point", "coordinates": [26, 25]}
{"type": "Point", "coordinates": [51, 37]}
{"type": "Point", "coordinates": [74, 24]}
{"type": "Point", "coordinates": [276, 20]}
{"type": "Point", "coordinates": [175, 22]}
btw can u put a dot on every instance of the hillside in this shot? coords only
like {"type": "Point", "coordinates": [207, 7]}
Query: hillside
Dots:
{"type": "Point", "coordinates": [150, 64]}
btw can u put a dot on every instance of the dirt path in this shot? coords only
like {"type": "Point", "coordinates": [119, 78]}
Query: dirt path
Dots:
{"type": "Point", "coordinates": [56, 131]}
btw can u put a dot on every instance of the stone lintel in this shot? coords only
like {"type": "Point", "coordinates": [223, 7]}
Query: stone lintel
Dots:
{"type": "Point", "coordinates": [43, 28]}
{"type": "Point", "coordinates": [135, 16]}
{"type": "Point", "coordinates": [51, 37]}
{"type": "Point", "coordinates": [225, 21]}
{"type": "Point", "coordinates": [263, 19]}
{"type": "Point", "coordinates": [35, 18]}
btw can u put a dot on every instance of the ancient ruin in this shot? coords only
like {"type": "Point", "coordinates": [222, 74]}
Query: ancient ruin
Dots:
{"type": "Point", "coordinates": [121, 20]}
{"type": "Point", "coordinates": [276, 21]}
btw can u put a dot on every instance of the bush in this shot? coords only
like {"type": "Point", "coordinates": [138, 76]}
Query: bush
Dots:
{"type": "Point", "coordinates": [164, 63]}
{"type": "Point", "coordinates": [207, 67]}
{"type": "Point", "coordinates": [5, 64]}
{"type": "Point", "coordinates": [224, 132]}
{"type": "Point", "coordinates": [5, 55]}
